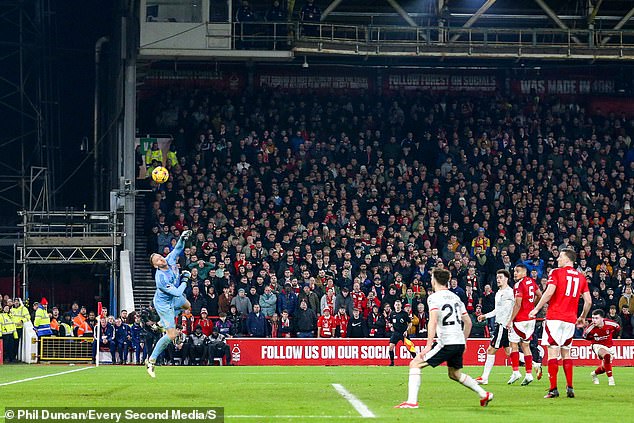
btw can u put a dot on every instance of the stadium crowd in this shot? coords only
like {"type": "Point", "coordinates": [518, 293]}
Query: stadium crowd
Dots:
{"type": "Point", "coordinates": [307, 202]}
{"type": "Point", "coordinates": [314, 212]}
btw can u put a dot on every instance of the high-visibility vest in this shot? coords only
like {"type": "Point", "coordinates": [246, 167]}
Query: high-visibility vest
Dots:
{"type": "Point", "coordinates": [84, 328]}
{"type": "Point", "coordinates": [153, 155]}
{"type": "Point", "coordinates": [54, 324]}
{"type": "Point", "coordinates": [42, 323]}
{"type": "Point", "coordinates": [20, 314]}
{"type": "Point", "coordinates": [78, 320]}
{"type": "Point", "coordinates": [172, 159]}
{"type": "Point", "coordinates": [7, 325]}
{"type": "Point", "coordinates": [68, 331]}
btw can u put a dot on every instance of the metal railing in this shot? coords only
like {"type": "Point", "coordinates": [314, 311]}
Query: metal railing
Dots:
{"type": "Point", "coordinates": [347, 38]}
{"type": "Point", "coordinates": [70, 223]}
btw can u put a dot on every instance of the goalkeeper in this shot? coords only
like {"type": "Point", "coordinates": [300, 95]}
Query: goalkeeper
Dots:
{"type": "Point", "coordinates": [168, 298]}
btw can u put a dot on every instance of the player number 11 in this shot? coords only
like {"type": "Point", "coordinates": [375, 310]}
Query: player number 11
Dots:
{"type": "Point", "coordinates": [569, 287]}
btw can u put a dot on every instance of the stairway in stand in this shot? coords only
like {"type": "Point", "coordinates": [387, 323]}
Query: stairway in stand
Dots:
{"type": "Point", "coordinates": [142, 279]}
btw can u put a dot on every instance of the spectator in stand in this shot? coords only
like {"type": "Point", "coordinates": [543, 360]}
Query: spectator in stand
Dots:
{"type": "Point", "coordinates": [285, 327]}
{"type": "Point", "coordinates": [344, 300]}
{"type": "Point", "coordinates": [627, 328]}
{"type": "Point", "coordinates": [225, 327]}
{"type": "Point", "coordinates": [422, 317]}
{"type": "Point", "coordinates": [627, 298]}
{"type": "Point", "coordinates": [205, 322]}
{"type": "Point", "coordinates": [614, 316]}
{"type": "Point", "coordinates": [287, 300]}
{"type": "Point", "coordinates": [305, 321]}
{"type": "Point", "coordinates": [310, 297]}
{"type": "Point", "coordinates": [256, 323]}
{"type": "Point", "coordinates": [326, 324]}
{"type": "Point", "coordinates": [357, 325]}
{"type": "Point", "coordinates": [197, 301]}
{"type": "Point", "coordinates": [480, 241]}
{"type": "Point", "coordinates": [376, 323]}
{"type": "Point", "coordinates": [268, 302]}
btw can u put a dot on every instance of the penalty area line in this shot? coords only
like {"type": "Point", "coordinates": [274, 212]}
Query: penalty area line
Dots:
{"type": "Point", "coordinates": [45, 376]}
{"type": "Point", "coordinates": [354, 401]}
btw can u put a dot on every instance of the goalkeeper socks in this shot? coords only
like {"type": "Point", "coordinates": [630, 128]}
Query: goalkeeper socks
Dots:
{"type": "Point", "coordinates": [413, 385]}
{"type": "Point", "coordinates": [392, 357]}
{"type": "Point", "coordinates": [160, 347]}
{"type": "Point", "coordinates": [607, 364]}
{"type": "Point", "coordinates": [470, 383]}
{"type": "Point", "coordinates": [488, 365]}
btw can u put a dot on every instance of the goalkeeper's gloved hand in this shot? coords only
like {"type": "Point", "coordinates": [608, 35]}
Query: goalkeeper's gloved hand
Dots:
{"type": "Point", "coordinates": [185, 275]}
{"type": "Point", "coordinates": [185, 235]}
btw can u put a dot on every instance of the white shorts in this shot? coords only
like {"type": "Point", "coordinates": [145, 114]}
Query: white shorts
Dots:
{"type": "Point", "coordinates": [597, 347]}
{"type": "Point", "coordinates": [558, 333]}
{"type": "Point", "coordinates": [522, 331]}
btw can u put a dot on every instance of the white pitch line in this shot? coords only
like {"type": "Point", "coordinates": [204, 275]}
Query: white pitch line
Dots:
{"type": "Point", "coordinates": [45, 376]}
{"type": "Point", "coordinates": [354, 401]}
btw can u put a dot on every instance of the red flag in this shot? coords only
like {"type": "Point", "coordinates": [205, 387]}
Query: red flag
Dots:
{"type": "Point", "coordinates": [99, 308]}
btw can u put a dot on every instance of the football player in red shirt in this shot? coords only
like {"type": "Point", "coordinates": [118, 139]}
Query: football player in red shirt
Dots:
{"type": "Point", "coordinates": [600, 334]}
{"type": "Point", "coordinates": [565, 285]}
{"type": "Point", "coordinates": [521, 326]}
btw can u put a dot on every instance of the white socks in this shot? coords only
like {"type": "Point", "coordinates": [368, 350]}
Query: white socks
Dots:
{"type": "Point", "coordinates": [470, 383]}
{"type": "Point", "coordinates": [488, 365]}
{"type": "Point", "coordinates": [413, 385]}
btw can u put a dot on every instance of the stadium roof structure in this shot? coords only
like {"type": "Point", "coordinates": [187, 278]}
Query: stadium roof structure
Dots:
{"type": "Point", "coordinates": [586, 30]}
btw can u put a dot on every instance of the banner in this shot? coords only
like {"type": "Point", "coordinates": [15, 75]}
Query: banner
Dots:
{"type": "Point", "coordinates": [218, 80]}
{"type": "Point", "coordinates": [568, 86]}
{"type": "Point", "coordinates": [314, 82]}
{"type": "Point", "coordinates": [465, 82]}
{"type": "Point", "coordinates": [375, 352]}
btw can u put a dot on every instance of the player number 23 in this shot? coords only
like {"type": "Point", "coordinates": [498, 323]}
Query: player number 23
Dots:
{"type": "Point", "coordinates": [447, 320]}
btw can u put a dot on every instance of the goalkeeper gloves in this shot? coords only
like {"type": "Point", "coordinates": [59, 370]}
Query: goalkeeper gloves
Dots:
{"type": "Point", "coordinates": [185, 275]}
{"type": "Point", "coordinates": [185, 235]}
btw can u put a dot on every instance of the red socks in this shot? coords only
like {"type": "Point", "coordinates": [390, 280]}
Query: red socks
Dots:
{"type": "Point", "coordinates": [515, 360]}
{"type": "Point", "coordinates": [553, 368]}
{"type": "Point", "coordinates": [599, 370]}
{"type": "Point", "coordinates": [568, 371]}
{"type": "Point", "coordinates": [528, 363]}
{"type": "Point", "coordinates": [607, 364]}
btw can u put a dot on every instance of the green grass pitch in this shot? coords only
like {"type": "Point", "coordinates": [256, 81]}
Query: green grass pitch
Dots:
{"type": "Point", "coordinates": [296, 394]}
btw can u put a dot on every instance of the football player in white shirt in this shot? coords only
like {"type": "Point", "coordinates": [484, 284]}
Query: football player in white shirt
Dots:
{"type": "Point", "coordinates": [504, 302]}
{"type": "Point", "coordinates": [449, 321]}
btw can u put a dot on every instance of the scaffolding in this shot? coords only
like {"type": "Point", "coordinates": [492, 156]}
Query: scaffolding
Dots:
{"type": "Point", "coordinates": [77, 237]}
